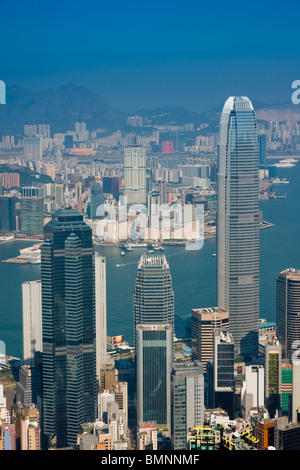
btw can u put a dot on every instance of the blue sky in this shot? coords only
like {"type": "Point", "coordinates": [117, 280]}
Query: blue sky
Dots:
{"type": "Point", "coordinates": [146, 54]}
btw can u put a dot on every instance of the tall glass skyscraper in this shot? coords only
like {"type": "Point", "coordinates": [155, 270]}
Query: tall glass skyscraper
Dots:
{"type": "Point", "coordinates": [153, 370]}
{"type": "Point", "coordinates": [238, 223]}
{"type": "Point", "coordinates": [153, 300]}
{"type": "Point", "coordinates": [68, 324]}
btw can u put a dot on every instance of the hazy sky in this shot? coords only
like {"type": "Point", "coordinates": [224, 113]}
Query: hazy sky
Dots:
{"type": "Point", "coordinates": [146, 54]}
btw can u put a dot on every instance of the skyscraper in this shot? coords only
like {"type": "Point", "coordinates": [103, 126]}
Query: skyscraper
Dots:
{"type": "Point", "coordinates": [262, 142]}
{"type": "Point", "coordinates": [224, 371]}
{"type": "Point", "coordinates": [153, 300]}
{"type": "Point", "coordinates": [238, 223]}
{"type": "Point", "coordinates": [287, 311]}
{"type": "Point", "coordinates": [273, 352]}
{"type": "Point", "coordinates": [32, 215]}
{"type": "Point", "coordinates": [135, 174]}
{"type": "Point", "coordinates": [68, 322]}
{"type": "Point", "coordinates": [187, 398]}
{"type": "Point", "coordinates": [204, 322]}
{"type": "Point", "coordinates": [153, 370]}
{"type": "Point", "coordinates": [101, 329]}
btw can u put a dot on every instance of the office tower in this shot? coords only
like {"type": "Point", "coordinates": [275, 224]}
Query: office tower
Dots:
{"type": "Point", "coordinates": [107, 376]}
{"type": "Point", "coordinates": [69, 141]}
{"type": "Point", "coordinates": [7, 214]}
{"type": "Point", "coordinates": [204, 322]}
{"type": "Point", "coordinates": [101, 329]}
{"type": "Point", "coordinates": [238, 223]}
{"type": "Point", "coordinates": [29, 387]}
{"type": "Point", "coordinates": [273, 352]}
{"type": "Point", "coordinates": [286, 390]}
{"type": "Point", "coordinates": [59, 194]}
{"type": "Point", "coordinates": [287, 311]}
{"type": "Point", "coordinates": [153, 300]}
{"type": "Point", "coordinates": [262, 142]}
{"type": "Point", "coordinates": [153, 371]}
{"type": "Point", "coordinates": [69, 326]}
{"type": "Point", "coordinates": [97, 199]}
{"type": "Point", "coordinates": [224, 371]}
{"type": "Point", "coordinates": [33, 149]}
{"type": "Point", "coordinates": [253, 388]}
{"type": "Point", "coordinates": [33, 191]}
{"type": "Point", "coordinates": [32, 321]}
{"type": "Point", "coordinates": [295, 390]}
{"type": "Point", "coordinates": [286, 434]}
{"type": "Point", "coordinates": [135, 174]}
{"type": "Point", "coordinates": [187, 398]}
{"type": "Point", "coordinates": [31, 215]}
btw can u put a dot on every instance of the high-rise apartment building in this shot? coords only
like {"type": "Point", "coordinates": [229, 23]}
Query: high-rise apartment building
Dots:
{"type": "Point", "coordinates": [69, 327]}
{"type": "Point", "coordinates": [153, 300]}
{"type": "Point", "coordinates": [224, 387]}
{"type": "Point", "coordinates": [204, 322]}
{"type": "Point", "coordinates": [32, 321]}
{"type": "Point", "coordinates": [287, 311]}
{"type": "Point", "coordinates": [153, 372]}
{"type": "Point", "coordinates": [7, 214]}
{"type": "Point", "coordinates": [187, 398]}
{"type": "Point", "coordinates": [135, 174]}
{"type": "Point", "coordinates": [238, 223]}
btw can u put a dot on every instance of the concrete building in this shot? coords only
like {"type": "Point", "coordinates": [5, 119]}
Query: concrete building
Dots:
{"type": "Point", "coordinates": [204, 322]}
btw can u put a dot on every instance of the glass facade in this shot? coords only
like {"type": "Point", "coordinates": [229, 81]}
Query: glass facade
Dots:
{"type": "Point", "coordinates": [32, 215]}
{"type": "Point", "coordinates": [153, 300]}
{"type": "Point", "coordinates": [238, 223]}
{"type": "Point", "coordinates": [153, 359]}
{"type": "Point", "coordinates": [68, 318]}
